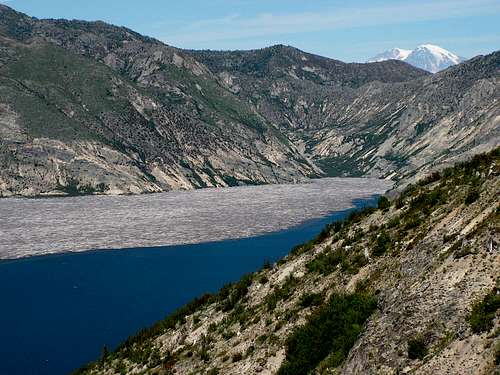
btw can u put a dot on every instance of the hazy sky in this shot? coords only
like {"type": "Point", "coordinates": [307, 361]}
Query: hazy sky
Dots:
{"type": "Point", "coordinates": [346, 30]}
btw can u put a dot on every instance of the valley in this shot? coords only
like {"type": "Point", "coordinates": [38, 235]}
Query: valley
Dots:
{"type": "Point", "coordinates": [65, 307]}
{"type": "Point", "coordinates": [322, 216]}
{"type": "Point", "coordinates": [135, 115]}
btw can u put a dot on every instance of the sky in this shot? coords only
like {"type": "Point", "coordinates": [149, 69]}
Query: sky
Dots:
{"type": "Point", "coordinates": [345, 30]}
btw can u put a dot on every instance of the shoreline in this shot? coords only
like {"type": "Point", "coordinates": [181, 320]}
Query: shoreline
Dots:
{"type": "Point", "coordinates": [92, 289]}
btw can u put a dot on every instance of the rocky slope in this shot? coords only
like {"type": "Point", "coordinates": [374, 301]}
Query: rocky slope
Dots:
{"type": "Point", "coordinates": [90, 107]}
{"type": "Point", "coordinates": [410, 287]}
{"type": "Point", "coordinates": [349, 125]}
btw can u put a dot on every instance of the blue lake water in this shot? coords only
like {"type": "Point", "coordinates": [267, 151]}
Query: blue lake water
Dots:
{"type": "Point", "coordinates": [58, 311]}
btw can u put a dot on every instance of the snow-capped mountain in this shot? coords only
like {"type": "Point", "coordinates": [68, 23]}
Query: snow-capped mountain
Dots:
{"type": "Point", "coordinates": [427, 56]}
{"type": "Point", "coordinates": [392, 54]}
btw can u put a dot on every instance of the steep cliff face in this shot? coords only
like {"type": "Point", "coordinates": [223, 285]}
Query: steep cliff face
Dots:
{"type": "Point", "coordinates": [411, 287]}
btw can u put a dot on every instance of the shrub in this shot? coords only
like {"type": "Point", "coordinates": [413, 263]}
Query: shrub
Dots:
{"type": "Point", "coordinates": [331, 331]}
{"type": "Point", "coordinates": [237, 357]}
{"type": "Point", "coordinates": [472, 196]}
{"type": "Point", "coordinates": [238, 292]}
{"type": "Point", "coordinates": [394, 222]}
{"type": "Point", "coordinates": [426, 201]}
{"type": "Point", "coordinates": [263, 279]}
{"type": "Point", "coordinates": [227, 335]}
{"type": "Point", "coordinates": [326, 262]}
{"type": "Point", "coordinates": [449, 237]}
{"type": "Point", "coordinates": [383, 244]}
{"type": "Point", "coordinates": [417, 349]}
{"type": "Point", "coordinates": [266, 265]}
{"type": "Point", "coordinates": [413, 222]}
{"type": "Point", "coordinates": [400, 202]}
{"type": "Point", "coordinates": [203, 353]}
{"type": "Point", "coordinates": [311, 299]}
{"type": "Point", "coordinates": [281, 293]}
{"type": "Point", "coordinates": [433, 177]}
{"type": "Point", "coordinates": [483, 312]}
{"type": "Point", "coordinates": [384, 203]}
{"type": "Point", "coordinates": [301, 249]}
{"type": "Point", "coordinates": [261, 339]}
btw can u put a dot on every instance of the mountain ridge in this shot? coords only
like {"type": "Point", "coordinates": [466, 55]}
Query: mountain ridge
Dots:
{"type": "Point", "coordinates": [135, 115]}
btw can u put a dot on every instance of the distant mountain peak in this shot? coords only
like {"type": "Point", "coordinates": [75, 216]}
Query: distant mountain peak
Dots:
{"type": "Point", "coordinates": [426, 56]}
{"type": "Point", "coordinates": [392, 54]}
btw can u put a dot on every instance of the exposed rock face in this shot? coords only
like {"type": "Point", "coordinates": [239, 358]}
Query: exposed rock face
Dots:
{"type": "Point", "coordinates": [90, 107]}
{"type": "Point", "coordinates": [429, 257]}
{"type": "Point", "coordinates": [357, 125]}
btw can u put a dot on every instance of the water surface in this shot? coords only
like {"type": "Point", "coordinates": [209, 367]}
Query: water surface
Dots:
{"type": "Point", "coordinates": [33, 227]}
{"type": "Point", "coordinates": [58, 311]}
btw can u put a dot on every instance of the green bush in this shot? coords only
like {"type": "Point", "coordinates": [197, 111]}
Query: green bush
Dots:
{"type": "Point", "coordinates": [394, 222]}
{"type": "Point", "coordinates": [311, 299]}
{"type": "Point", "coordinates": [326, 262]}
{"type": "Point", "coordinates": [281, 293]}
{"type": "Point", "coordinates": [412, 222]}
{"type": "Point", "coordinates": [426, 201]}
{"type": "Point", "coordinates": [400, 202]}
{"type": "Point", "coordinates": [237, 357]}
{"type": "Point", "coordinates": [235, 293]}
{"type": "Point", "coordinates": [331, 331]}
{"type": "Point", "coordinates": [383, 244]}
{"type": "Point", "coordinates": [472, 196]}
{"type": "Point", "coordinates": [384, 203]}
{"type": "Point", "coordinates": [417, 349]}
{"type": "Point", "coordinates": [301, 249]}
{"type": "Point", "coordinates": [433, 177]}
{"type": "Point", "coordinates": [483, 312]}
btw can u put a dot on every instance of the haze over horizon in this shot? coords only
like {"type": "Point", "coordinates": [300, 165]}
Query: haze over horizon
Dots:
{"type": "Point", "coordinates": [329, 28]}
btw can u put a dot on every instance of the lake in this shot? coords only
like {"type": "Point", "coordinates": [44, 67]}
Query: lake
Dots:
{"type": "Point", "coordinates": [58, 311]}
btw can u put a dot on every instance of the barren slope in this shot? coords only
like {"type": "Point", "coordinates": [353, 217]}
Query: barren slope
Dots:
{"type": "Point", "coordinates": [409, 288]}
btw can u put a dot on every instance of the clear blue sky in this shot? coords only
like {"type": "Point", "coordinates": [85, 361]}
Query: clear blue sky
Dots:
{"type": "Point", "coordinates": [346, 30]}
